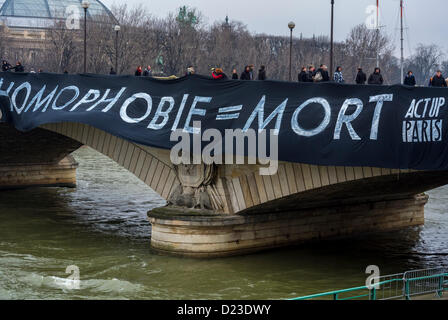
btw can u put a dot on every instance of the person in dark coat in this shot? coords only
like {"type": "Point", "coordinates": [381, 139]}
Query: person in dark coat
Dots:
{"type": "Point", "coordinates": [246, 74]}
{"type": "Point", "coordinates": [376, 77]}
{"type": "Point", "coordinates": [147, 72]}
{"type": "Point", "coordinates": [323, 70]}
{"type": "Point", "coordinates": [138, 72]}
{"type": "Point", "coordinates": [262, 73]}
{"type": "Point", "coordinates": [303, 75]}
{"type": "Point", "coordinates": [251, 72]}
{"type": "Point", "coordinates": [234, 75]}
{"type": "Point", "coordinates": [6, 66]}
{"type": "Point", "coordinates": [190, 71]}
{"type": "Point", "coordinates": [409, 80]}
{"type": "Point", "coordinates": [311, 74]}
{"type": "Point", "coordinates": [438, 80]}
{"type": "Point", "coordinates": [218, 74]}
{"type": "Point", "coordinates": [361, 77]}
{"type": "Point", "coordinates": [19, 67]}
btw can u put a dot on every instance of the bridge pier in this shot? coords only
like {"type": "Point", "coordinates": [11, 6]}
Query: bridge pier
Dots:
{"type": "Point", "coordinates": [38, 158]}
{"type": "Point", "coordinates": [196, 233]}
{"type": "Point", "coordinates": [61, 174]}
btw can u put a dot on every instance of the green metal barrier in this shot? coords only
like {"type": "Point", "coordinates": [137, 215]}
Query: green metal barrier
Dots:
{"type": "Point", "coordinates": [372, 292]}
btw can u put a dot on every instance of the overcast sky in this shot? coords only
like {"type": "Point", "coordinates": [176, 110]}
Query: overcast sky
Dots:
{"type": "Point", "coordinates": [425, 19]}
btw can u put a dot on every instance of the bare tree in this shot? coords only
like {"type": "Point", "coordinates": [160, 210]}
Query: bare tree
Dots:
{"type": "Point", "coordinates": [424, 62]}
{"type": "Point", "coordinates": [361, 47]}
{"type": "Point", "coordinates": [61, 49]}
{"type": "Point", "coordinates": [181, 39]}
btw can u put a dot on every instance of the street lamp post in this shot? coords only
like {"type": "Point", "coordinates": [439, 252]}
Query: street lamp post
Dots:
{"type": "Point", "coordinates": [332, 38]}
{"type": "Point", "coordinates": [291, 27]}
{"type": "Point", "coordinates": [85, 4]}
{"type": "Point", "coordinates": [117, 29]}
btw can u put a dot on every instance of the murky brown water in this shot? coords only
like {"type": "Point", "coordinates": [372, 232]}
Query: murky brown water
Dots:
{"type": "Point", "coordinates": [101, 227]}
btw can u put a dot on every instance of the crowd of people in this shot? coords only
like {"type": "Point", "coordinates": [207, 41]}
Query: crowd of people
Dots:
{"type": "Point", "coordinates": [147, 72]}
{"type": "Point", "coordinates": [309, 74]}
{"type": "Point", "coordinates": [7, 67]}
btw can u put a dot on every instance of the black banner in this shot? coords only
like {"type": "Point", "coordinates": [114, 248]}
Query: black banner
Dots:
{"type": "Point", "coordinates": [323, 124]}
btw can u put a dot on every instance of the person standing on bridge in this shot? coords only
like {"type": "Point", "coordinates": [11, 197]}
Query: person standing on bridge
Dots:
{"type": "Point", "coordinates": [234, 75]}
{"type": "Point", "coordinates": [324, 76]}
{"type": "Point", "coordinates": [361, 77]}
{"type": "Point", "coordinates": [246, 74]}
{"type": "Point", "coordinates": [6, 66]}
{"type": "Point", "coordinates": [338, 77]}
{"type": "Point", "coordinates": [262, 73]}
{"type": "Point", "coordinates": [19, 67]}
{"type": "Point", "coordinates": [147, 72]}
{"type": "Point", "coordinates": [303, 76]}
{"type": "Point", "coordinates": [138, 72]}
{"type": "Point", "coordinates": [376, 77]}
{"type": "Point", "coordinates": [190, 71]}
{"type": "Point", "coordinates": [409, 80]}
{"type": "Point", "coordinates": [251, 72]}
{"type": "Point", "coordinates": [311, 74]}
{"type": "Point", "coordinates": [438, 80]}
{"type": "Point", "coordinates": [218, 74]}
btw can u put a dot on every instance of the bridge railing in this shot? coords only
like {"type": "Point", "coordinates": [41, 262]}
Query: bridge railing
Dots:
{"type": "Point", "coordinates": [399, 286]}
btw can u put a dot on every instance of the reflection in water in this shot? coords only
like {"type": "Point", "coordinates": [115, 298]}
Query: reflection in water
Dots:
{"type": "Point", "coordinates": [101, 227]}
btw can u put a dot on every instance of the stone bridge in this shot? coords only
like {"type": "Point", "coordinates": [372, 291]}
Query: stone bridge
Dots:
{"type": "Point", "coordinates": [228, 209]}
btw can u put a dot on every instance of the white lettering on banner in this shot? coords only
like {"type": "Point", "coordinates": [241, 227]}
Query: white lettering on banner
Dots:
{"type": "Point", "coordinates": [321, 127]}
{"type": "Point", "coordinates": [111, 101]}
{"type": "Point", "coordinates": [347, 119]}
{"type": "Point", "coordinates": [194, 111]}
{"type": "Point", "coordinates": [421, 123]}
{"type": "Point", "coordinates": [124, 107]}
{"type": "Point", "coordinates": [377, 113]}
{"type": "Point", "coordinates": [89, 97]}
{"type": "Point", "coordinates": [25, 85]}
{"type": "Point", "coordinates": [74, 88]}
{"type": "Point", "coordinates": [160, 113]}
{"type": "Point", "coordinates": [259, 110]}
{"type": "Point", "coordinates": [39, 102]}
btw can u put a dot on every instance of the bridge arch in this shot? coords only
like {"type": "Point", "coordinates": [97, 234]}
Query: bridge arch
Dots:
{"type": "Point", "coordinates": [239, 189]}
{"type": "Point", "coordinates": [150, 165]}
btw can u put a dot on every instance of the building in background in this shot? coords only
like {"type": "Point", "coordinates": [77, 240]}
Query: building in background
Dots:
{"type": "Point", "coordinates": [24, 24]}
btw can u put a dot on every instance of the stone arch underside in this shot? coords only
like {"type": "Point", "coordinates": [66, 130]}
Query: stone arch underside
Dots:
{"type": "Point", "coordinates": [241, 190]}
{"type": "Point", "coordinates": [297, 185]}
{"type": "Point", "coordinates": [150, 165]}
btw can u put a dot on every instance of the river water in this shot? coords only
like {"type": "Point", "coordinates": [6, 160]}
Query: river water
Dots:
{"type": "Point", "coordinates": [101, 228]}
